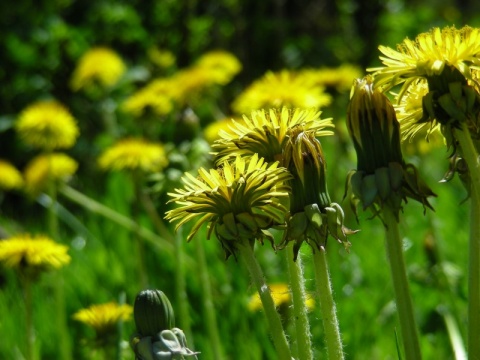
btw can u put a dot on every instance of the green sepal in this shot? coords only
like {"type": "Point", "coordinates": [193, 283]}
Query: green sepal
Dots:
{"type": "Point", "coordinates": [382, 179]}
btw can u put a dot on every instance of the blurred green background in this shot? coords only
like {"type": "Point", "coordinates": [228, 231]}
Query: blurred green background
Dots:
{"type": "Point", "coordinates": [40, 44]}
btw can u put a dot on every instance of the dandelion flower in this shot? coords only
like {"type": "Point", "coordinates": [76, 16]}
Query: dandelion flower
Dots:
{"type": "Point", "coordinates": [339, 78]}
{"type": "Point", "coordinates": [134, 153]}
{"type": "Point", "coordinates": [160, 57]}
{"type": "Point", "coordinates": [266, 131]}
{"type": "Point", "coordinates": [99, 65]}
{"type": "Point", "coordinates": [104, 318]}
{"type": "Point", "coordinates": [35, 253]}
{"type": "Point", "coordinates": [281, 296]}
{"type": "Point", "coordinates": [10, 177]}
{"type": "Point", "coordinates": [238, 201]}
{"type": "Point", "coordinates": [47, 167]}
{"type": "Point", "coordinates": [222, 65]}
{"type": "Point", "coordinates": [279, 89]}
{"type": "Point", "coordinates": [211, 133]}
{"type": "Point", "coordinates": [157, 97]}
{"type": "Point", "coordinates": [47, 125]}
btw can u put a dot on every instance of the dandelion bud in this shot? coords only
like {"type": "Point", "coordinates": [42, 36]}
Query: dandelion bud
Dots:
{"type": "Point", "coordinates": [153, 312]}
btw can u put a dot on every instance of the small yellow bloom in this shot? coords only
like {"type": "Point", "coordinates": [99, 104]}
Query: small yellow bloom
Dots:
{"type": "Point", "coordinates": [340, 78]}
{"type": "Point", "coordinates": [222, 65]}
{"type": "Point", "coordinates": [156, 96]}
{"type": "Point", "coordinates": [104, 318]}
{"type": "Point", "coordinates": [98, 65]}
{"type": "Point", "coordinates": [33, 252]}
{"type": "Point", "coordinates": [161, 58]}
{"type": "Point", "coordinates": [278, 89]}
{"type": "Point", "coordinates": [266, 132]}
{"type": "Point", "coordinates": [132, 153]}
{"type": "Point", "coordinates": [41, 169]}
{"type": "Point", "coordinates": [280, 295]}
{"type": "Point", "coordinates": [10, 177]}
{"type": "Point", "coordinates": [47, 125]}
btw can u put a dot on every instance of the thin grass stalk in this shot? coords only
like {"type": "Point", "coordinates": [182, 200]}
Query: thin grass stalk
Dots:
{"type": "Point", "coordinates": [273, 318]}
{"type": "Point", "coordinates": [208, 306]}
{"type": "Point", "coordinates": [470, 155]}
{"type": "Point", "coordinates": [297, 285]}
{"type": "Point", "coordinates": [328, 309]}
{"type": "Point", "coordinates": [29, 325]}
{"type": "Point", "coordinates": [401, 287]}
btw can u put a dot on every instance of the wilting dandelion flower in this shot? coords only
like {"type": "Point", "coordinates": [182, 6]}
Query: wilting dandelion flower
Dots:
{"type": "Point", "coordinates": [47, 125]}
{"type": "Point", "coordinates": [103, 318]}
{"type": "Point", "coordinates": [238, 201]}
{"type": "Point", "coordinates": [132, 154]}
{"type": "Point", "coordinates": [10, 177]}
{"type": "Point", "coordinates": [99, 65]}
{"type": "Point", "coordinates": [278, 89]}
{"type": "Point", "coordinates": [265, 132]}
{"type": "Point", "coordinates": [48, 167]}
{"type": "Point", "coordinates": [34, 254]}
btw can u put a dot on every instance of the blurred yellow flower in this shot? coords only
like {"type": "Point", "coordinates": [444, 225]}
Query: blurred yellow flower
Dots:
{"type": "Point", "coordinates": [33, 252]}
{"type": "Point", "coordinates": [281, 296]}
{"type": "Point", "coordinates": [99, 65]}
{"type": "Point", "coordinates": [103, 318]}
{"type": "Point", "coordinates": [161, 58]}
{"type": "Point", "coordinates": [41, 169]}
{"type": "Point", "coordinates": [134, 153]}
{"type": "Point", "coordinates": [156, 96]}
{"type": "Point", "coordinates": [340, 78]}
{"type": "Point", "coordinates": [10, 177]}
{"type": "Point", "coordinates": [47, 125]}
{"type": "Point", "coordinates": [279, 89]}
{"type": "Point", "coordinates": [223, 66]}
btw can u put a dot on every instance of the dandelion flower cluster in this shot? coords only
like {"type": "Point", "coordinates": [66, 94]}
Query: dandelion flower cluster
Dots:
{"type": "Point", "coordinates": [10, 177]}
{"type": "Point", "coordinates": [37, 252]}
{"type": "Point", "coordinates": [48, 167]}
{"type": "Point", "coordinates": [279, 89]}
{"type": "Point", "coordinates": [47, 125]}
{"type": "Point", "coordinates": [132, 154]}
{"type": "Point", "coordinates": [99, 65]}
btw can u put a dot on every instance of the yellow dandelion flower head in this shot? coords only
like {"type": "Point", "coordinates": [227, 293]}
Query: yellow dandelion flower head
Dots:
{"type": "Point", "coordinates": [155, 97]}
{"type": "Point", "coordinates": [10, 177]}
{"type": "Point", "coordinates": [134, 153]}
{"type": "Point", "coordinates": [212, 130]}
{"type": "Point", "coordinates": [279, 89]}
{"type": "Point", "coordinates": [47, 125]}
{"type": "Point", "coordinates": [428, 55]}
{"type": "Point", "coordinates": [37, 252]}
{"type": "Point", "coordinates": [161, 57]}
{"type": "Point", "coordinates": [238, 200]}
{"type": "Point", "coordinates": [99, 65]}
{"type": "Point", "coordinates": [340, 78]}
{"type": "Point", "coordinates": [266, 131]}
{"type": "Point", "coordinates": [104, 318]}
{"type": "Point", "coordinates": [281, 295]}
{"type": "Point", "coordinates": [42, 168]}
{"type": "Point", "coordinates": [223, 66]}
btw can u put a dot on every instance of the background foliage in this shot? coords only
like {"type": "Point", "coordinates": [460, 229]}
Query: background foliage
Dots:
{"type": "Point", "coordinates": [40, 46]}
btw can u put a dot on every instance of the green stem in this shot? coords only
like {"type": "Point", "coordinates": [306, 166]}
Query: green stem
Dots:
{"type": "Point", "coordinates": [156, 219]}
{"type": "Point", "coordinates": [297, 285]}
{"type": "Point", "coordinates": [139, 243]}
{"type": "Point", "coordinates": [117, 218]}
{"type": "Point", "coordinates": [208, 305]}
{"type": "Point", "coordinates": [400, 284]}
{"type": "Point", "coordinates": [181, 290]}
{"type": "Point", "coordinates": [30, 328]}
{"type": "Point", "coordinates": [333, 338]}
{"type": "Point", "coordinates": [273, 318]}
{"type": "Point", "coordinates": [469, 153]}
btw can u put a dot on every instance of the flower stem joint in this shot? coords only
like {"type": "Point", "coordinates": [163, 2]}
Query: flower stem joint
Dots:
{"type": "Point", "coordinates": [156, 337]}
{"type": "Point", "coordinates": [382, 177]}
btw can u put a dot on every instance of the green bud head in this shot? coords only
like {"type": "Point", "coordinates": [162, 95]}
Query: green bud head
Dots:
{"type": "Point", "coordinates": [153, 312]}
